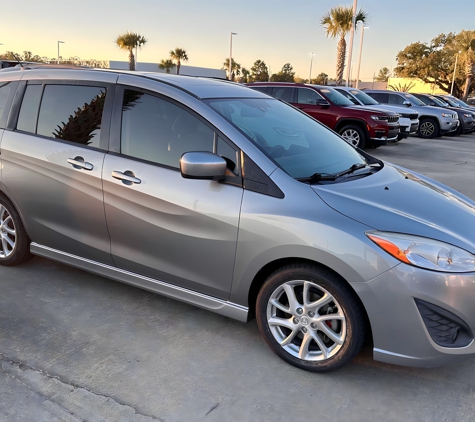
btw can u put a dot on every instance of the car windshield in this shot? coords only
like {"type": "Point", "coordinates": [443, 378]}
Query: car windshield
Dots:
{"type": "Point", "coordinates": [298, 144]}
{"type": "Point", "coordinates": [414, 100]}
{"type": "Point", "coordinates": [363, 97]}
{"type": "Point", "coordinates": [463, 104]}
{"type": "Point", "coordinates": [438, 101]}
{"type": "Point", "coordinates": [335, 97]}
{"type": "Point", "coordinates": [451, 102]}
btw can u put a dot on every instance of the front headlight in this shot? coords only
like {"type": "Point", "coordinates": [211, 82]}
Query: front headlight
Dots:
{"type": "Point", "coordinates": [425, 253]}
{"type": "Point", "coordinates": [379, 117]}
{"type": "Point", "coordinates": [468, 115]}
{"type": "Point", "coordinates": [448, 115]}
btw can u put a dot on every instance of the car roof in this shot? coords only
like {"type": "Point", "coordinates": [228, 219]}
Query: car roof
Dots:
{"type": "Point", "coordinates": [199, 87]}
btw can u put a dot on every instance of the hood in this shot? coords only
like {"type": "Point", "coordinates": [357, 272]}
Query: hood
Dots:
{"type": "Point", "coordinates": [397, 200]}
{"type": "Point", "coordinates": [372, 109]}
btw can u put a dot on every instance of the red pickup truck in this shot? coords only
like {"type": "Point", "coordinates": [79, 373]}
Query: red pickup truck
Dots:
{"type": "Point", "coordinates": [361, 126]}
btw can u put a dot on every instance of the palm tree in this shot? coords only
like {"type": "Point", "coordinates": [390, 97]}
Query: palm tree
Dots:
{"type": "Point", "coordinates": [337, 23]}
{"type": "Point", "coordinates": [128, 42]}
{"type": "Point", "coordinates": [178, 54]}
{"type": "Point", "coordinates": [167, 65]}
{"type": "Point", "coordinates": [235, 68]}
{"type": "Point", "coordinates": [464, 43]}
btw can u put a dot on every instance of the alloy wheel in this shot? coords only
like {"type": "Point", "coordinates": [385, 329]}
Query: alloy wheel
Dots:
{"type": "Point", "coordinates": [7, 233]}
{"type": "Point", "coordinates": [306, 320]}
{"type": "Point", "coordinates": [427, 129]}
{"type": "Point", "coordinates": [351, 136]}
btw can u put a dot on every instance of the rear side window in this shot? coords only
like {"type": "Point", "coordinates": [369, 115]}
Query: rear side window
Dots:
{"type": "Point", "coordinates": [29, 109]}
{"type": "Point", "coordinates": [72, 113]}
{"type": "Point", "coordinates": [4, 94]}
{"type": "Point", "coordinates": [379, 97]}
{"type": "Point", "coordinates": [283, 93]}
{"type": "Point", "coordinates": [157, 130]}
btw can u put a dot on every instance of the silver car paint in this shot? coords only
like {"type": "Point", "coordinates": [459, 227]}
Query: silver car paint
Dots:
{"type": "Point", "coordinates": [299, 226]}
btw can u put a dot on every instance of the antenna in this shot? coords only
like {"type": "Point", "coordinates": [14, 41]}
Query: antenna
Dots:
{"type": "Point", "coordinates": [16, 58]}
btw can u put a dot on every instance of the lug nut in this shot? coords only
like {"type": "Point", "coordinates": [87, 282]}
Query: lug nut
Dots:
{"type": "Point", "coordinates": [313, 326]}
{"type": "Point", "coordinates": [295, 321]}
{"type": "Point", "coordinates": [304, 330]}
{"type": "Point", "coordinates": [311, 314]}
{"type": "Point", "coordinates": [300, 311]}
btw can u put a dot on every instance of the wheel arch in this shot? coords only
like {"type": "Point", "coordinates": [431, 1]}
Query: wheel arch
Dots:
{"type": "Point", "coordinates": [262, 275]}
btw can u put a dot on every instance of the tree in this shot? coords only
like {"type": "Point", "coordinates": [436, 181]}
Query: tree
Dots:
{"type": "Point", "coordinates": [402, 87]}
{"type": "Point", "coordinates": [464, 44]}
{"type": "Point", "coordinates": [128, 42]}
{"type": "Point", "coordinates": [321, 79]}
{"type": "Point", "coordinates": [383, 75]}
{"type": "Point", "coordinates": [27, 56]}
{"type": "Point", "coordinates": [245, 75]}
{"type": "Point", "coordinates": [235, 68]}
{"type": "Point", "coordinates": [337, 23]}
{"type": "Point", "coordinates": [167, 65]}
{"type": "Point", "coordinates": [259, 71]}
{"type": "Point", "coordinates": [179, 55]}
{"type": "Point", "coordinates": [434, 62]}
{"type": "Point", "coordinates": [287, 74]}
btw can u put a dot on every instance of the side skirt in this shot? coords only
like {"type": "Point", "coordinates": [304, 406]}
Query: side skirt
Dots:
{"type": "Point", "coordinates": [222, 307]}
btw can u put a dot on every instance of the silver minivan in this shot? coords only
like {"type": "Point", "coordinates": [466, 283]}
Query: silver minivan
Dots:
{"type": "Point", "coordinates": [222, 197]}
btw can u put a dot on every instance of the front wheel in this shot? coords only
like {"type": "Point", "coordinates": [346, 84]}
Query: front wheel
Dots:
{"type": "Point", "coordinates": [310, 318]}
{"type": "Point", "coordinates": [354, 136]}
{"type": "Point", "coordinates": [428, 128]}
{"type": "Point", "coordinates": [14, 242]}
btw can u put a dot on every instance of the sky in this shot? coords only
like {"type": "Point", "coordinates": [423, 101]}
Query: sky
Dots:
{"type": "Point", "coordinates": [276, 31]}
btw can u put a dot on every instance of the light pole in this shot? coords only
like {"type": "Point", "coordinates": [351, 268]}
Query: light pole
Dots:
{"type": "Point", "coordinates": [361, 52]}
{"type": "Point", "coordinates": [351, 70]}
{"type": "Point", "coordinates": [59, 42]}
{"type": "Point", "coordinates": [352, 36]}
{"type": "Point", "coordinates": [231, 55]}
{"type": "Point", "coordinates": [311, 60]}
{"type": "Point", "coordinates": [453, 76]}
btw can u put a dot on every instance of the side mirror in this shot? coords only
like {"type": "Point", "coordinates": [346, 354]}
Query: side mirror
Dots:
{"type": "Point", "coordinates": [407, 103]}
{"type": "Point", "coordinates": [322, 102]}
{"type": "Point", "coordinates": [202, 165]}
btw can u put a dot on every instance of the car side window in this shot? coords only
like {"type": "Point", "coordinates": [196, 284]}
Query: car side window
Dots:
{"type": "Point", "coordinates": [29, 109]}
{"type": "Point", "coordinates": [283, 93]}
{"type": "Point", "coordinates": [4, 94]}
{"type": "Point", "coordinates": [229, 154]}
{"type": "Point", "coordinates": [157, 130]}
{"type": "Point", "coordinates": [379, 97]}
{"type": "Point", "coordinates": [263, 89]}
{"type": "Point", "coordinates": [395, 99]}
{"type": "Point", "coordinates": [307, 96]}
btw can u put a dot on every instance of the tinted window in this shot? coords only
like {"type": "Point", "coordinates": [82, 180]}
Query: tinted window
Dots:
{"type": "Point", "coordinates": [4, 93]}
{"type": "Point", "coordinates": [335, 97]}
{"type": "Point", "coordinates": [307, 96]}
{"type": "Point", "coordinates": [29, 108]}
{"type": "Point", "coordinates": [283, 93]}
{"type": "Point", "coordinates": [156, 130]}
{"type": "Point", "coordinates": [260, 89]}
{"type": "Point", "coordinates": [396, 99]}
{"type": "Point", "coordinates": [379, 97]}
{"type": "Point", "coordinates": [72, 113]}
{"type": "Point", "coordinates": [348, 95]}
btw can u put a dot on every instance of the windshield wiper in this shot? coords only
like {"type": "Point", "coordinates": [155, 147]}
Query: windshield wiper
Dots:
{"type": "Point", "coordinates": [317, 177]}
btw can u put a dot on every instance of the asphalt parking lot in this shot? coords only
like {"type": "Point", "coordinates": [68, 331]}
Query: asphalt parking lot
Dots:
{"type": "Point", "coordinates": [78, 347]}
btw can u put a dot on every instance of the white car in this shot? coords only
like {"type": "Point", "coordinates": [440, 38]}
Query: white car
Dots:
{"type": "Point", "coordinates": [408, 119]}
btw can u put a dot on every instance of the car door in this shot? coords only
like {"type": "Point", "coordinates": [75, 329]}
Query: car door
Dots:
{"type": "Point", "coordinates": [180, 231]}
{"type": "Point", "coordinates": [52, 159]}
{"type": "Point", "coordinates": [312, 103]}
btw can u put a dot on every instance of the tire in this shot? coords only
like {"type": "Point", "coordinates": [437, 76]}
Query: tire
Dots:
{"type": "Point", "coordinates": [14, 242]}
{"type": "Point", "coordinates": [428, 128]}
{"type": "Point", "coordinates": [353, 135]}
{"type": "Point", "coordinates": [303, 334]}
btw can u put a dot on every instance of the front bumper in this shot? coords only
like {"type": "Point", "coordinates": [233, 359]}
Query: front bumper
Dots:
{"type": "Point", "coordinates": [384, 135]}
{"type": "Point", "coordinates": [449, 126]}
{"type": "Point", "coordinates": [468, 124]}
{"type": "Point", "coordinates": [400, 334]}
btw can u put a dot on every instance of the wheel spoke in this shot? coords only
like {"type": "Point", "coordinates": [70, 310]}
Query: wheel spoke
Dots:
{"type": "Point", "coordinates": [5, 246]}
{"type": "Point", "coordinates": [9, 230]}
{"type": "Point", "coordinates": [331, 334]}
{"type": "Point", "coordinates": [279, 305]}
{"type": "Point", "coordinates": [293, 302]}
{"type": "Point", "coordinates": [320, 344]}
{"type": "Point", "coordinates": [306, 285]}
{"type": "Point", "coordinates": [324, 300]}
{"type": "Point", "coordinates": [8, 240]}
{"type": "Point", "coordinates": [2, 211]}
{"type": "Point", "coordinates": [289, 338]}
{"type": "Point", "coordinates": [282, 322]}
{"type": "Point", "coordinates": [303, 352]}
{"type": "Point", "coordinates": [329, 317]}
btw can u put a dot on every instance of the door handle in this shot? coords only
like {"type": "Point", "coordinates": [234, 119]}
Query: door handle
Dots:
{"type": "Point", "coordinates": [127, 177]}
{"type": "Point", "coordinates": [80, 164]}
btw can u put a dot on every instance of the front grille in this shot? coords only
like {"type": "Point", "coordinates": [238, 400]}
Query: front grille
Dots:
{"type": "Point", "coordinates": [393, 119]}
{"type": "Point", "coordinates": [445, 328]}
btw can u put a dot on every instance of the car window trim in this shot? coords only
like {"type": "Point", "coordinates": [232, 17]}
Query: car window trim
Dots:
{"type": "Point", "coordinates": [106, 113]}
{"type": "Point", "coordinates": [116, 131]}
